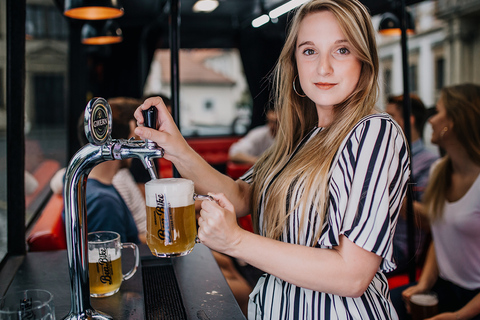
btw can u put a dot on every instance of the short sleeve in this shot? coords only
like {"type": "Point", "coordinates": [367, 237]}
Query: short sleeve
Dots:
{"type": "Point", "coordinates": [367, 186]}
{"type": "Point", "coordinates": [248, 176]}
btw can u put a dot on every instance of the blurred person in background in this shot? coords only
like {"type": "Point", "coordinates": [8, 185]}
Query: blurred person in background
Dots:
{"type": "Point", "coordinates": [422, 159]}
{"type": "Point", "coordinates": [452, 265]}
{"type": "Point", "coordinates": [250, 147]}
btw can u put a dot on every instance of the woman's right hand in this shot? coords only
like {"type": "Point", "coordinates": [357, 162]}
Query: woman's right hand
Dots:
{"type": "Point", "coordinates": [410, 291]}
{"type": "Point", "coordinates": [218, 228]}
{"type": "Point", "coordinates": [167, 136]}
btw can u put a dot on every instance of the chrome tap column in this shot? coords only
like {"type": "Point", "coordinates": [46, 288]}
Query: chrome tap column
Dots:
{"type": "Point", "coordinates": [98, 127]}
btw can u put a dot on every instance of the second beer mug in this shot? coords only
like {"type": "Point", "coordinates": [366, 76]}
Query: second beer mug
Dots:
{"type": "Point", "coordinates": [171, 223]}
{"type": "Point", "coordinates": [423, 305]}
{"type": "Point", "coordinates": [105, 263]}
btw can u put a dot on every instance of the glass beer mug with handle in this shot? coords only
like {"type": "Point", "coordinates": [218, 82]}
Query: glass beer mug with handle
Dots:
{"type": "Point", "coordinates": [105, 263]}
{"type": "Point", "coordinates": [171, 221]}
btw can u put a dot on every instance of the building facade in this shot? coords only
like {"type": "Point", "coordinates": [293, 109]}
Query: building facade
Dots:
{"type": "Point", "coordinates": [445, 50]}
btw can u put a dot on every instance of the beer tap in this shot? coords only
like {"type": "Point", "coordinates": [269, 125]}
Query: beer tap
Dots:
{"type": "Point", "coordinates": [150, 120]}
{"type": "Point", "coordinates": [98, 127]}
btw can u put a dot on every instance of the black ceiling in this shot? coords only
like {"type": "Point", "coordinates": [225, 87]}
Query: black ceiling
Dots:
{"type": "Point", "coordinates": [220, 28]}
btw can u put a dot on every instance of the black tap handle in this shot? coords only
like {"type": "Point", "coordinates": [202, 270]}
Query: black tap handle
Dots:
{"type": "Point", "coordinates": [150, 117]}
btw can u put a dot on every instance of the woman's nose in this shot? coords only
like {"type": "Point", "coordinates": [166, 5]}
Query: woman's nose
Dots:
{"type": "Point", "coordinates": [324, 65]}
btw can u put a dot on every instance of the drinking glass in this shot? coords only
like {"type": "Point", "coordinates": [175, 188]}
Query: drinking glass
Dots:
{"type": "Point", "coordinates": [105, 263]}
{"type": "Point", "coordinates": [423, 305]}
{"type": "Point", "coordinates": [31, 304]}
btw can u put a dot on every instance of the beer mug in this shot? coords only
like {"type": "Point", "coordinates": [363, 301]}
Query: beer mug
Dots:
{"type": "Point", "coordinates": [423, 305]}
{"type": "Point", "coordinates": [105, 263]}
{"type": "Point", "coordinates": [171, 222]}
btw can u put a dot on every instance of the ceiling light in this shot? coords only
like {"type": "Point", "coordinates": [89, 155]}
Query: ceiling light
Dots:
{"type": "Point", "coordinates": [390, 24]}
{"type": "Point", "coordinates": [260, 21]}
{"type": "Point", "coordinates": [277, 12]}
{"type": "Point", "coordinates": [205, 5]}
{"type": "Point", "coordinates": [284, 8]}
{"type": "Point", "coordinates": [93, 9]}
{"type": "Point", "coordinates": [101, 33]}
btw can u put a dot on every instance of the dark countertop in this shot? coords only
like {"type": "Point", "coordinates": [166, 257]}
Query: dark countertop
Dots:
{"type": "Point", "coordinates": [204, 291]}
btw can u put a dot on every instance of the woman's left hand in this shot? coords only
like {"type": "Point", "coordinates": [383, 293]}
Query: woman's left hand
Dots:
{"type": "Point", "coordinates": [218, 228]}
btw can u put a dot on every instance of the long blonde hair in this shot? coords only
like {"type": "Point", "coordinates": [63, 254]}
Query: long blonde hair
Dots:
{"type": "Point", "coordinates": [308, 170]}
{"type": "Point", "coordinates": [462, 105]}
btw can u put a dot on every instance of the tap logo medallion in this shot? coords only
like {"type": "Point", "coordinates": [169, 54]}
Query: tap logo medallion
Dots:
{"type": "Point", "coordinates": [100, 122]}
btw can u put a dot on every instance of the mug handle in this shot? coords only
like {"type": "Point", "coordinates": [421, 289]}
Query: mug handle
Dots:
{"type": "Point", "coordinates": [132, 271]}
{"type": "Point", "coordinates": [201, 197]}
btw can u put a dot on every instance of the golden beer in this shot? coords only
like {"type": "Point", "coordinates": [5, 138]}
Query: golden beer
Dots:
{"type": "Point", "coordinates": [173, 235]}
{"type": "Point", "coordinates": [171, 223]}
{"type": "Point", "coordinates": [105, 272]}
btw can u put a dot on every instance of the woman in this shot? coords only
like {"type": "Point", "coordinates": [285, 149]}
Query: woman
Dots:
{"type": "Point", "coordinates": [452, 268]}
{"type": "Point", "coordinates": [325, 197]}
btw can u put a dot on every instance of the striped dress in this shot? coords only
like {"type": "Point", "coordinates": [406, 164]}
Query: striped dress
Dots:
{"type": "Point", "coordinates": [367, 184]}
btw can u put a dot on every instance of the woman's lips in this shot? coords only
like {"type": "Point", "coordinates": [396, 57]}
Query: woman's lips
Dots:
{"type": "Point", "coordinates": [325, 85]}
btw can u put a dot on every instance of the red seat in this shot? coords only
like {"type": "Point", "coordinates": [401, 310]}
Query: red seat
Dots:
{"type": "Point", "coordinates": [213, 150]}
{"type": "Point", "coordinates": [48, 233]}
{"type": "Point", "coordinates": [246, 223]}
{"type": "Point", "coordinates": [236, 170]}
{"type": "Point", "coordinates": [165, 168]}
{"type": "Point", "coordinates": [401, 279]}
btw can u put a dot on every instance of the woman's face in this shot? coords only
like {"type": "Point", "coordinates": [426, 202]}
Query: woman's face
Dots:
{"type": "Point", "coordinates": [327, 69]}
{"type": "Point", "coordinates": [441, 125]}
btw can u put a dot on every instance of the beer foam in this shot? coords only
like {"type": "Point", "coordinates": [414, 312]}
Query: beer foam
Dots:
{"type": "Point", "coordinates": [424, 299]}
{"type": "Point", "coordinates": [112, 253]}
{"type": "Point", "coordinates": [178, 192]}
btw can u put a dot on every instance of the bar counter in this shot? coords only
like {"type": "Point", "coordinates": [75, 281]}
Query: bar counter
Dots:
{"type": "Point", "coordinates": [202, 293]}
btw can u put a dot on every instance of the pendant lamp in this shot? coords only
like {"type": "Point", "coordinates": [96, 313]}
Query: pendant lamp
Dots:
{"type": "Point", "coordinates": [101, 33]}
{"type": "Point", "coordinates": [93, 9]}
{"type": "Point", "coordinates": [205, 5]}
{"type": "Point", "coordinates": [390, 24]}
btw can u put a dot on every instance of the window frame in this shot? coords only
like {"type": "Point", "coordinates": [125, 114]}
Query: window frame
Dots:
{"type": "Point", "coordinates": [15, 141]}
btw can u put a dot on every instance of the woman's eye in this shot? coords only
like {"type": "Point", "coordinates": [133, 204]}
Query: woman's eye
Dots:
{"type": "Point", "coordinates": [308, 52]}
{"type": "Point", "coordinates": [343, 51]}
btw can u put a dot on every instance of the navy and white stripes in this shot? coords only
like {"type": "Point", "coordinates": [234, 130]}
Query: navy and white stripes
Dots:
{"type": "Point", "coordinates": [367, 184]}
